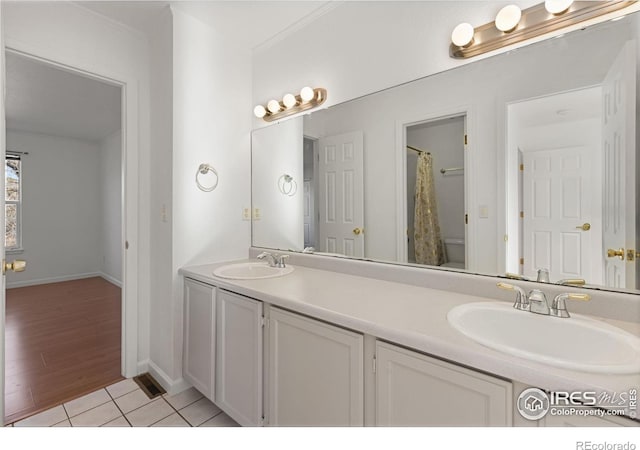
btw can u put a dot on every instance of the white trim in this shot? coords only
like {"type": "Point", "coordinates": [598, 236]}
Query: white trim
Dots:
{"type": "Point", "coordinates": [78, 276]}
{"type": "Point", "coordinates": [110, 279]}
{"type": "Point", "coordinates": [401, 178]}
{"type": "Point", "coordinates": [130, 154]}
{"type": "Point", "coordinates": [171, 386]}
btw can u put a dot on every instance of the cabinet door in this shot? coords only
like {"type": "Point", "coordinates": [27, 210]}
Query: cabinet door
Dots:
{"type": "Point", "coordinates": [199, 337]}
{"type": "Point", "coordinates": [239, 358]}
{"type": "Point", "coordinates": [413, 389]}
{"type": "Point", "coordinates": [316, 373]}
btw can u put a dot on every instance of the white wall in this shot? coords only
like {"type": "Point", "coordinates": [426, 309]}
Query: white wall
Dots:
{"type": "Point", "coordinates": [161, 173]}
{"type": "Point", "coordinates": [66, 33]}
{"type": "Point", "coordinates": [211, 124]}
{"type": "Point", "coordinates": [361, 47]}
{"type": "Point", "coordinates": [61, 208]}
{"type": "Point", "coordinates": [277, 151]}
{"type": "Point", "coordinates": [110, 170]}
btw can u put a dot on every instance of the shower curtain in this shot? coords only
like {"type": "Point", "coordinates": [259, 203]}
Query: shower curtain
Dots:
{"type": "Point", "coordinates": [427, 241]}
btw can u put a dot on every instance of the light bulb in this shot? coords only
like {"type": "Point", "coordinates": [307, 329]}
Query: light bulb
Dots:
{"type": "Point", "coordinates": [306, 94]}
{"type": "Point", "coordinates": [557, 6]}
{"type": "Point", "coordinates": [289, 101]}
{"type": "Point", "coordinates": [462, 35]}
{"type": "Point", "coordinates": [273, 106]}
{"type": "Point", "coordinates": [508, 18]}
{"type": "Point", "coordinates": [259, 111]}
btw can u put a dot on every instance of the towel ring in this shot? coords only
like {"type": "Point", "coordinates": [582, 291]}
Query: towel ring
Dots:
{"type": "Point", "coordinates": [287, 185]}
{"type": "Point", "coordinates": [203, 169]}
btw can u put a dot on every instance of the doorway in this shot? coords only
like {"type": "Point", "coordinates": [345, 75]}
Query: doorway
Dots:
{"type": "Point", "coordinates": [63, 329]}
{"type": "Point", "coordinates": [442, 140]}
{"type": "Point", "coordinates": [556, 140]}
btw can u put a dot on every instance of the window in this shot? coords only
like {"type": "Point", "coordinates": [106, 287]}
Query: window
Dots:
{"type": "Point", "coordinates": [13, 200]}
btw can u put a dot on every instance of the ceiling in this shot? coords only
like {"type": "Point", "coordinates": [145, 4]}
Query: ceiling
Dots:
{"type": "Point", "coordinates": [563, 107]}
{"type": "Point", "coordinates": [248, 23]}
{"type": "Point", "coordinates": [44, 99]}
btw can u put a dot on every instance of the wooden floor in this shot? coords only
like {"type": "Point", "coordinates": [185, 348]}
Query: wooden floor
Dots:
{"type": "Point", "coordinates": [62, 341]}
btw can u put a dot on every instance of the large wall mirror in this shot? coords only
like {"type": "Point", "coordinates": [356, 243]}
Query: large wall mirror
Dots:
{"type": "Point", "coordinates": [522, 163]}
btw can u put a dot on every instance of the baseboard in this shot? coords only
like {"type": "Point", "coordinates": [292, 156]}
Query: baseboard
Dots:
{"type": "Point", "coordinates": [80, 276]}
{"type": "Point", "coordinates": [171, 386]}
{"type": "Point", "coordinates": [111, 279]}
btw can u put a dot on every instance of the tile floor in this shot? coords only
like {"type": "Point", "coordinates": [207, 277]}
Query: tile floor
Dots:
{"type": "Point", "coordinates": [124, 404]}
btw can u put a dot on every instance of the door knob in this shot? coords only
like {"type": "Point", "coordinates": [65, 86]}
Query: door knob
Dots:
{"type": "Point", "coordinates": [584, 227]}
{"type": "Point", "coordinates": [611, 253]}
{"type": "Point", "coordinates": [16, 266]}
{"type": "Point", "coordinates": [357, 231]}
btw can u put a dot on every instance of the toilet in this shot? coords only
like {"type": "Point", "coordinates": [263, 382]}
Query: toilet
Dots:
{"type": "Point", "coordinates": [453, 253]}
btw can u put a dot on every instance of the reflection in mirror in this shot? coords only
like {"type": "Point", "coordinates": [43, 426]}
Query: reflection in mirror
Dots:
{"type": "Point", "coordinates": [522, 163]}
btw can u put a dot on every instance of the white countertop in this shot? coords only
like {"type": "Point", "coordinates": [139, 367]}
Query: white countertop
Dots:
{"type": "Point", "coordinates": [410, 316]}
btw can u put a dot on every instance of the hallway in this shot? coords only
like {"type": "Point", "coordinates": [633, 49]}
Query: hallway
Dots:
{"type": "Point", "coordinates": [62, 341]}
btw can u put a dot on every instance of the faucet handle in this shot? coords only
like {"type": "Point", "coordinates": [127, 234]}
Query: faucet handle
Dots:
{"type": "Point", "coordinates": [572, 282]}
{"type": "Point", "coordinates": [559, 307]}
{"type": "Point", "coordinates": [521, 303]}
{"type": "Point", "coordinates": [281, 259]}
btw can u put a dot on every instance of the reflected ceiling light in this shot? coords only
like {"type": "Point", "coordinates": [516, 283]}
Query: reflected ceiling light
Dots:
{"type": "Point", "coordinates": [289, 101]}
{"type": "Point", "coordinates": [259, 111]}
{"type": "Point", "coordinates": [462, 35]}
{"type": "Point", "coordinates": [557, 6]}
{"type": "Point", "coordinates": [273, 106]}
{"type": "Point", "coordinates": [291, 104]}
{"type": "Point", "coordinates": [508, 18]}
{"type": "Point", "coordinates": [513, 26]}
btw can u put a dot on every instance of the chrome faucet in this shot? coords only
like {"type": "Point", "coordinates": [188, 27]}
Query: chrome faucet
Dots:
{"type": "Point", "coordinates": [274, 259]}
{"type": "Point", "coordinates": [559, 307]}
{"type": "Point", "coordinates": [543, 276]}
{"type": "Point", "coordinates": [538, 302]}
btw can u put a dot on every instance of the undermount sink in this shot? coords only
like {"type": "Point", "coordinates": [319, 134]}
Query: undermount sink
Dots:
{"type": "Point", "coordinates": [576, 343]}
{"type": "Point", "coordinates": [251, 271]}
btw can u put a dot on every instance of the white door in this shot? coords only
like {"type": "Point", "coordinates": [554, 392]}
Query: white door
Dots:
{"type": "Point", "coordinates": [199, 336]}
{"type": "Point", "coordinates": [316, 373]}
{"type": "Point", "coordinates": [309, 221]}
{"type": "Point", "coordinates": [238, 376]}
{"type": "Point", "coordinates": [413, 389]}
{"type": "Point", "coordinates": [341, 194]}
{"type": "Point", "coordinates": [556, 206]}
{"type": "Point", "coordinates": [619, 112]}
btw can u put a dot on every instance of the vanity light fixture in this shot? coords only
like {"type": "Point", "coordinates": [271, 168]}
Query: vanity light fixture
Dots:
{"type": "Point", "coordinates": [513, 26]}
{"type": "Point", "coordinates": [291, 104]}
{"type": "Point", "coordinates": [462, 35]}
{"type": "Point", "coordinates": [557, 6]}
{"type": "Point", "coordinates": [508, 18]}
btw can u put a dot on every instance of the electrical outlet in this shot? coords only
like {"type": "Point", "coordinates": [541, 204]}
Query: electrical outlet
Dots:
{"type": "Point", "coordinates": [246, 213]}
{"type": "Point", "coordinates": [256, 214]}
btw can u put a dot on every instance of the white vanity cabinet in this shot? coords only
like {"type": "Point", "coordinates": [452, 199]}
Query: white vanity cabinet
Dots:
{"type": "Point", "coordinates": [315, 374]}
{"type": "Point", "coordinates": [238, 375]}
{"type": "Point", "coordinates": [413, 389]}
{"type": "Point", "coordinates": [199, 336]}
